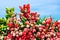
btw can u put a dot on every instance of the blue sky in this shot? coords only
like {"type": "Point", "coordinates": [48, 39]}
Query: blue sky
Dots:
{"type": "Point", "coordinates": [43, 7]}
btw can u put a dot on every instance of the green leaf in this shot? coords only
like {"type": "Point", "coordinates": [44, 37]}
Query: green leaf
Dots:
{"type": "Point", "coordinates": [12, 9]}
{"type": "Point", "coordinates": [9, 12]}
{"type": "Point", "coordinates": [43, 18]}
{"type": "Point", "coordinates": [56, 29]}
{"type": "Point", "coordinates": [38, 22]}
{"type": "Point", "coordinates": [24, 19]}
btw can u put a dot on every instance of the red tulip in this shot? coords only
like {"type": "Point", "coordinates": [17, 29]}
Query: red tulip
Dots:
{"type": "Point", "coordinates": [58, 24]}
{"type": "Point", "coordinates": [27, 37]}
{"type": "Point", "coordinates": [31, 29]}
{"type": "Point", "coordinates": [38, 34]}
{"type": "Point", "coordinates": [5, 37]}
{"type": "Point", "coordinates": [43, 36]}
{"type": "Point", "coordinates": [20, 33]}
{"type": "Point", "coordinates": [13, 34]}
{"type": "Point", "coordinates": [48, 38]}
{"type": "Point", "coordinates": [21, 15]}
{"type": "Point", "coordinates": [33, 13]}
{"type": "Point", "coordinates": [53, 28]}
{"type": "Point", "coordinates": [10, 24]}
{"type": "Point", "coordinates": [58, 35]}
{"type": "Point", "coordinates": [47, 24]}
{"type": "Point", "coordinates": [59, 29]}
{"type": "Point", "coordinates": [26, 15]}
{"type": "Point", "coordinates": [49, 20]}
{"type": "Point", "coordinates": [17, 35]}
{"type": "Point", "coordinates": [11, 19]}
{"type": "Point", "coordinates": [44, 30]}
{"type": "Point", "coordinates": [27, 22]}
{"type": "Point", "coordinates": [32, 17]}
{"type": "Point", "coordinates": [25, 30]}
{"type": "Point", "coordinates": [28, 11]}
{"type": "Point", "coordinates": [32, 37]}
{"type": "Point", "coordinates": [17, 38]}
{"type": "Point", "coordinates": [51, 38]}
{"type": "Point", "coordinates": [16, 29]}
{"type": "Point", "coordinates": [46, 27]}
{"type": "Point", "coordinates": [32, 21]}
{"type": "Point", "coordinates": [29, 33]}
{"type": "Point", "coordinates": [54, 24]}
{"type": "Point", "coordinates": [11, 29]}
{"type": "Point", "coordinates": [36, 18]}
{"type": "Point", "coordinates": [23, 39]}
{"type": "Point", "coordinates": [21, 7]}
{"type": "Point", "coordinates": [43, 22]}
{"type": "Point", "coordinates": [28, 6]}
{"type": "Point", "coordinates": [24, 6]}
{"type": "Point", "coordinates": [16, 25]}
{"type": "Point", "coordinates": [16, 32]}
{"type": "Point", "coordinates": [9, 35]}
{"type": "Point", "coordinates": [34, 30]}
{"type": "Point", "coordinates": [40, 28]}
{"type": "Point", "coordinates": [43, 33]}
{"type": "Point", "coordinates": [20, 38]}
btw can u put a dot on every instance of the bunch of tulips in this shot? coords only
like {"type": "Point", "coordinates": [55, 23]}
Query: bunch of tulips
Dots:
{"type": "Point", "coordinates": [30, 27]}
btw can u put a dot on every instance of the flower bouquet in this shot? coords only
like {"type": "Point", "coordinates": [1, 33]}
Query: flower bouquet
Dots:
{"type": "Point", "coordinates": [29, 26]}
